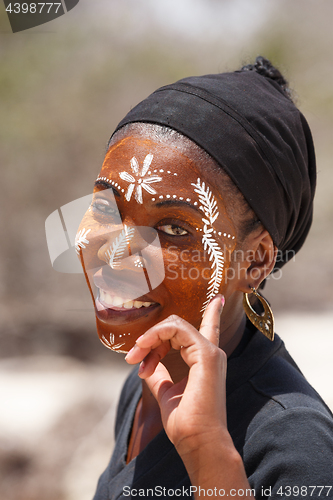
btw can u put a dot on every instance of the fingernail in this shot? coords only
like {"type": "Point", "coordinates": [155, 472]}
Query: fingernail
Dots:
{"type": "Point", "coordinates": [129, 352]}
{"type": "Point", "coordinates": [141, 367]}
{"type": "Point", "coordinates": [220, 297]}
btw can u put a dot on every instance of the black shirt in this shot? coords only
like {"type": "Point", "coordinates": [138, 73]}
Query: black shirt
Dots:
{"type": "Point", "coordinates": [279, 424]}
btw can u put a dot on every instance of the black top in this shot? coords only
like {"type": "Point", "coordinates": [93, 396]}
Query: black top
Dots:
{"type": "Point", "coordinates": [278, 422]}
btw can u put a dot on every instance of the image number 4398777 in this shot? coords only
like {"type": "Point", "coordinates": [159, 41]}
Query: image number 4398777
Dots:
{"type": "Point", "coordinates": [25, 15]}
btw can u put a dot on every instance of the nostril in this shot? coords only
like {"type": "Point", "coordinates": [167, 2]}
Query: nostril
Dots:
{"type": "Point", "coordinates": [134, 263]}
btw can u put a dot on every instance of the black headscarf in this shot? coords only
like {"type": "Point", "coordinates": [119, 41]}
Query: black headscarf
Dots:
{"type": "Point", "coordinates": [256, 134]}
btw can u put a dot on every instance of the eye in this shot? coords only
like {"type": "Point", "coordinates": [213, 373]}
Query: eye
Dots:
{"type": "Point", "coordinates": [102, 206]}
{"type": "Point", "coordinates": [173, 230]}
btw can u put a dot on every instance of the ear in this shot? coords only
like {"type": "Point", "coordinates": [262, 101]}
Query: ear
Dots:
{"type": "Point", "coordinates": [259, 260]}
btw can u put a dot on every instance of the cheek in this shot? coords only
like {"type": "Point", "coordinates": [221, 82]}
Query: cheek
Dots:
{"type": "Point", "coordinates": [187, 265]}
{"type": "Point", "coordinates": [194, 275]}
{"type": "Point", "coordinates": [187, 275]}
{"type": "Point", "coordinates": [228, 246]}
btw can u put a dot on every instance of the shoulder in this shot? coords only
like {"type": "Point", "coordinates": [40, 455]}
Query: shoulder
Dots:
{"type": "Point", "coordinates": [288, 437]}
{"type": "Point", "coordinates": [289, 446]}
{"type": "Point", "coordinates": [284, 388]}
{"type": "Point", "coordinates": [265, 372]}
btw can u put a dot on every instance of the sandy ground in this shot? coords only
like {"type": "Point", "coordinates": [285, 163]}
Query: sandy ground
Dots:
{"type": "Point", "coordinates": [57, 414]}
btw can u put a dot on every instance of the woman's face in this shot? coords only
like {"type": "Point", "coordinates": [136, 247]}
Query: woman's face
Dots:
{"type": "Point", "coordinates": [155, 241]}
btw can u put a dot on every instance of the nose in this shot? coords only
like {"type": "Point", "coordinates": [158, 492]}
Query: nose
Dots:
{"type": "Point", "coordinates": [121, 250]}
{"type": "Point", "coordinates": [137, 250]}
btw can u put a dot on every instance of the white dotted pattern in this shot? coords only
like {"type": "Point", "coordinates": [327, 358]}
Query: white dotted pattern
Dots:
{"type": "Point", "coordinates": [174, 196]}
{"type": "Point", "coordinates": [142, 183]}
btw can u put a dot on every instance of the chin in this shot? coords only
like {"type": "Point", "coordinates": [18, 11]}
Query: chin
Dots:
{"type": "Point", "coordinates": [119, 327]}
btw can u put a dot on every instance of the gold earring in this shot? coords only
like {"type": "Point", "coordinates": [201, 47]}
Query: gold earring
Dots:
{"type": "Point", "coordinates": [264, 323]}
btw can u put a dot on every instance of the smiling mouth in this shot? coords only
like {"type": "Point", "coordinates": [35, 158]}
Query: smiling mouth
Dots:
{"type": "Point", "coordinates": [117, 303]}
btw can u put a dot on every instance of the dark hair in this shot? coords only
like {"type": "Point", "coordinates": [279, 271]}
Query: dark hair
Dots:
{"type": "Point", "coordinates": [265, 68]}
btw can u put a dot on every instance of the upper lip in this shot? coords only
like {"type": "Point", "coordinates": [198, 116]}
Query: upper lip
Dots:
{"type": "Point", "coordinates": [118, 283]}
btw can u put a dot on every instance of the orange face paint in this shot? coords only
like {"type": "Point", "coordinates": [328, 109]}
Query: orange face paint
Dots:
{"type": "Point", "coordinates": [156, 240]}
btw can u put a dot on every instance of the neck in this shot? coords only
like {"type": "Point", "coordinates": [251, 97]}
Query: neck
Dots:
{"type": "Point", "coordinates": [233, 321]}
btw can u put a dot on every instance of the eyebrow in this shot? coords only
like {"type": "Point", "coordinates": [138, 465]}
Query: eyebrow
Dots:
{"type": "Point", "coordinates": [163, 203]}
{"type": "Point", "coordinates": [176, 203]}
{"type": "Point", "coordinates": [107, 185]}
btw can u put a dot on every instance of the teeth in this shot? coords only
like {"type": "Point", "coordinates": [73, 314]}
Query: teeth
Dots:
{"type": "Point", "coordinates": [138, 304]}
{"type": "Point", "coordinates": [117, 301]}
{"type": "Point", "coordinates": [106, 298]}
{"type": "Point", "coordinates": [128, 305]}
{"type": "Point", "coordinates": [109, 300]}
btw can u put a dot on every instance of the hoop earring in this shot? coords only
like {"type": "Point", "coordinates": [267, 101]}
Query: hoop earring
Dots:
{"type": "Point", "coordinates": [264, 323]}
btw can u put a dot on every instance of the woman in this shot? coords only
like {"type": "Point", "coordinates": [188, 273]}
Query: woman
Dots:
{"type": "Point", "coordinates": [207, 187]}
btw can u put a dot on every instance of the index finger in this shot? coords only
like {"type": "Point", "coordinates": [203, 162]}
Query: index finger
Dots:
{"type": "Point", "coordinates": [210, 324]}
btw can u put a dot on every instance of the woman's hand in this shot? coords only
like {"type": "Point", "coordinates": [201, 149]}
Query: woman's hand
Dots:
{"type": "Point", "coordinates": [193, 409]}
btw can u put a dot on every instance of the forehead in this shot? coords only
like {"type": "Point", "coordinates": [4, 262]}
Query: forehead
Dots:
{"type": "Point", "coordinates": [165, 156]}
{"type": "Point", "coordinates": [176, 167]}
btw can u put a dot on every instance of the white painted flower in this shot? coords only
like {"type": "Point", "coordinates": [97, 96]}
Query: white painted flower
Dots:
{"type": "Point", "coordinates": [81, 240]}
{"type": "Point", "coordinates": [139, 182]}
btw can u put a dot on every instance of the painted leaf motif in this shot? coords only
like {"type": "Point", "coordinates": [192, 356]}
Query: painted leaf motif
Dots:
{"type": "Point", "coordinates": [119, 245]}
{"type": "Point", "coordinates": [215, 254]}
{"type": "Point", "coordinates": [81, 240]}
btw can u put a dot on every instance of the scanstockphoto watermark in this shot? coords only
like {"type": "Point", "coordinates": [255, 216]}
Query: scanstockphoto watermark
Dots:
{"type": "Point", "coordinates": [239, 255]}
{"type": "Point", "coordinates": [187, 264]}
{"type": "Point", "coordinates": [25, 15]}
{"type": "Point", "coordinates": [186, 492]}
{"type": "Point", "coordinates": [287, 491]}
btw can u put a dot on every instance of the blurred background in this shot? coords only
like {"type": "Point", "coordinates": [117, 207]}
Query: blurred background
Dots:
{"type": "Point", "coordinates": [63, 88]}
